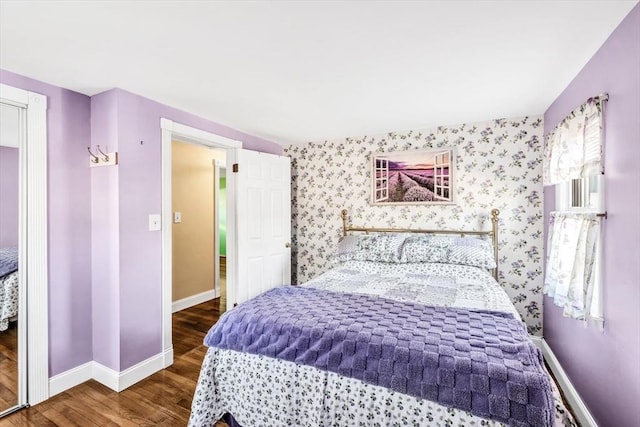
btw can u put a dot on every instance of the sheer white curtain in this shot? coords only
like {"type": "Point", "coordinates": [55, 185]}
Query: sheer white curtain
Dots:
{"type": "Point", "coordinates": [571, 278]}
{"type": "Point", "coordinates": [573, 148]}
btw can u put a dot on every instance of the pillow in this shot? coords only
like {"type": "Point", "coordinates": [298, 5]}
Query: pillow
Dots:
{"type": "Point", "coordinates": [449, 250]}
{"type": "Point", "coordinates": [370, 247]}
{"type": "Point", "coordinates": [423, 248]}
{"type": "Point", "coordinates": [471, 251]}
{"type": "Point", "coordinates": [346, 247]}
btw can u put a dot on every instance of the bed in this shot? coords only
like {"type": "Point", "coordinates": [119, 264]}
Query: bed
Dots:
{"type": "Point", "coordinates": [409, 328]}
{"type": "Point", "coordinates": [8, 286]}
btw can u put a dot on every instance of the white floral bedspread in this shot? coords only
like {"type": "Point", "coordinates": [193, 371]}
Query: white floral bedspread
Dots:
{"type": "Point", "coordinates": [262, 391]}
{"type": "Point", "coordinates": [426, 283]}
{"type": "Point", "coordinates": [8, 298]}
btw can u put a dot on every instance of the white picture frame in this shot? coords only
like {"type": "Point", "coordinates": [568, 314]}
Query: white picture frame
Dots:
{"type": "Point", "coordinates": [413, 177]}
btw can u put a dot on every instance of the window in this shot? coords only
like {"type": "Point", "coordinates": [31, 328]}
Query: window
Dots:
{"type": "Point", "coordinates": [581, 195]}
{"type": "Point", "coordinates": [573, 163]}
{"type": "Point", "coordinates": [586, 195]}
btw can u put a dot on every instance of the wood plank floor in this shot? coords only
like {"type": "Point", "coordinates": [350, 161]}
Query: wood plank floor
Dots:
{"type": "Point", "coordinates": [9, 367]}
{"type": "Point", "coordinates": [164, 399]}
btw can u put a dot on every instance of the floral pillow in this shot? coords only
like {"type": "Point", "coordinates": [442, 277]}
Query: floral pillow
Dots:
{"type": "Point", "coordinates": [449, 250]}
{"type": "Point", "coordinates": [423, 249]}
{"type": "Point", "coordinates": [346, 248]}
{"type": "Point", "coordinates": [471, 251]}
{"type": "Point", "coordinates": [370, 247]}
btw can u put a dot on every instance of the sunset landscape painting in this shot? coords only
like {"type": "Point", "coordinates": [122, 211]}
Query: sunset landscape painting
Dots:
{"type": "Point", "coordinates": [413, 177]}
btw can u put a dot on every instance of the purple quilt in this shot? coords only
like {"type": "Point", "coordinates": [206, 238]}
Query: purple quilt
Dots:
{"type": "Point", "coordinates": [8, 260]}
{"type": "Point", "coordinates": [477, 361]}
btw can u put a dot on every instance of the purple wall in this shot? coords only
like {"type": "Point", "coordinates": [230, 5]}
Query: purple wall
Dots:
{"type": "Point", "coordinates": [69, 233]}
{"type": "Point", "coordinates": [104, 266]}
{"type": "Point", "coordinates": [140, 194]}
{"type": "Point", "coordinates": [605, 367]}
{"type": "Point", "coordinates": [9, 189]}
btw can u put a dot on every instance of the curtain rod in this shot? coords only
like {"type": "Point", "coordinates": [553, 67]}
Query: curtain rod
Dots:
{"type": "Point", "coordinates": [602, 97]}
{"type": "Point", "coordinates": [597, 214]}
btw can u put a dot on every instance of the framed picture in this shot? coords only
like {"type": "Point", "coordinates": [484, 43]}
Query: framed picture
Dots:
{"type": "Point", "coordinates": [413, 177]}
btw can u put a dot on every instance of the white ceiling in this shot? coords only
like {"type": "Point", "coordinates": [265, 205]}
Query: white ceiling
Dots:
{"type": "Point", "coordinates": [311, 70]}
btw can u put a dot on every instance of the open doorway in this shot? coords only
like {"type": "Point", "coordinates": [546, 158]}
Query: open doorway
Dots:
{"type": "Point", "coordinates": [173, 131]}
{"type": "Point", "coordinates": [258, 220]}
{"type": "Point", "coordinates": [198, 275]}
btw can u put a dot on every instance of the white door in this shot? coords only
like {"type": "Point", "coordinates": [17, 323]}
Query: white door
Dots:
{"type": "Point", "coordinates": [263, 223]}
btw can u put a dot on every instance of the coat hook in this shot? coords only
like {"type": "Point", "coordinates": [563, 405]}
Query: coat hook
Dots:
{"type": "Point", "coordinates": [106, 156]}
{"type": "Point", "coordinates": [94, 158]}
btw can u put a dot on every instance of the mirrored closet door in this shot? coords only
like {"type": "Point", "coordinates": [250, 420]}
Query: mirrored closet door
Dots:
{"type": "Point", "coordinates": [12, 316]}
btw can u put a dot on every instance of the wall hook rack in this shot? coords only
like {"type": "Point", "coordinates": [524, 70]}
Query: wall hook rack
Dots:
{"type": "Point", "coordinates": [94, 159]}
{"type": "Point", "coordinates": [102, 158]}
{"type": "Point", "coordinates": [105, 156]}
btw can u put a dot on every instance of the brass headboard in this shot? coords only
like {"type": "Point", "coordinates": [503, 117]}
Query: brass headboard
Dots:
{"type": "Point", "coordinates": [493, 233]}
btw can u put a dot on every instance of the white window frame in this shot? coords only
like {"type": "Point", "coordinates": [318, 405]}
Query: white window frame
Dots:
{"type": "Point", "coordinates": [572, 195]}
{"type": "Point", "coordinates": [381, 182]}
{"type": "Point", "coordinates": [439, 164]}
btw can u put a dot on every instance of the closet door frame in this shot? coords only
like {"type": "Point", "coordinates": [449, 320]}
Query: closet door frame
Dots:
{"type": "Point", "coordinates": [33, 340]}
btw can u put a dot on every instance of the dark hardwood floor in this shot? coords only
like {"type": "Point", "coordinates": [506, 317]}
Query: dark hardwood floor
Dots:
{"type": "Point", "coordinates": [9, 367]}
{"type": "Point", "coordinates": [164, 399]}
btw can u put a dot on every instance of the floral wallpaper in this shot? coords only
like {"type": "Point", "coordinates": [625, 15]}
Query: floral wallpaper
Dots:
{"type": "Point", "coordinates": [498, 164]}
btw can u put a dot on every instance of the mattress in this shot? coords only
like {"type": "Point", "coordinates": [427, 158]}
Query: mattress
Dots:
{"type": "Point", "coordinates": [259, 390]}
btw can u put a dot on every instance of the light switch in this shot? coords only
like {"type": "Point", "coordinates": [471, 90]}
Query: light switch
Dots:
{"type": "Point", "coordinates": [177, 217]}
{"type": "Point", "coordinates": [154, 222]}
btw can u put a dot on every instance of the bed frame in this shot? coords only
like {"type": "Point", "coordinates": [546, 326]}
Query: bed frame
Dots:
{"type": "Point", "coordinates": [493, 233]}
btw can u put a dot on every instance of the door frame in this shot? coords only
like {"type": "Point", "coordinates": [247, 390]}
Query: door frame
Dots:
{"type": "Point", "coordinates": [33, 245]}
{"type": "Point", "coordinates": [172, 130]}
{"type": "Point", "coordinates": [217, 166]}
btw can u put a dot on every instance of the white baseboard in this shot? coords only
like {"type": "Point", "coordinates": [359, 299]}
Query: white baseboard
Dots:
{"type": "Point", "coordinates": [168, 358]}
{"type": "Point", "coordinates": [115, 380]}
{"type": "Point", "coordinates": [536, 340]}
{"type": "Point", "coordinates": [196, 299]}
{"type": "Point", "coordinates": [142, 370]}
{"type": "Point", "coordinates": [119, 381]}
{"type": "Point", "coordinates": [71, 378]}
{"type": "Point", "coordinates": [106, 376]}
{"type": "Point", "coordinates": [584, 417]}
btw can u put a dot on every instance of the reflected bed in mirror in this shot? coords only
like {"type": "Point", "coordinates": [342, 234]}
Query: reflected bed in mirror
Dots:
{"type": "Point", "coordinates": [8, 327]}
{"type": "Point", "coordinates": [8, 287]}
{"type": "Point", "coordinates": [9, 275]}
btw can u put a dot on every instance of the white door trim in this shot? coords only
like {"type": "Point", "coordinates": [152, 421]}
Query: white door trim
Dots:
{"type": "Point", "coordinates": [33, 243]}
{"type": "Point", "coordinates": [172, 130]}
{"type": "Point", "coordinates": [216, 227]}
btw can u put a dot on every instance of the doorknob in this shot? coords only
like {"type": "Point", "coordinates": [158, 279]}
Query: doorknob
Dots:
{"type": "Point", "coordinates": [287, 245]}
